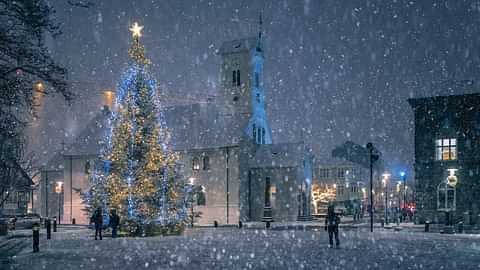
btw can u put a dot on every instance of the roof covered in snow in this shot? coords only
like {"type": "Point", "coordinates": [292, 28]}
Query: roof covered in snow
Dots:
{"type": "Point", "coordinates": [193, 126]}
{"type": "Point", "coordinates": [91, 139]}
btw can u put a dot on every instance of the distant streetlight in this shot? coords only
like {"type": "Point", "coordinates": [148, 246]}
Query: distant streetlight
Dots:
{"type": "Point", "coordinates": [404, 178]}
{"type": "Point", "coordinates": [58, 190]}
{"type": "Point", "coordinates": [385, 184]}
{"type": "Point", "coordinates": [373, 156]}
{"type": "Point", "coordinates": [39, 86]}
{"type": "Point", "coordinates": [191, 182]}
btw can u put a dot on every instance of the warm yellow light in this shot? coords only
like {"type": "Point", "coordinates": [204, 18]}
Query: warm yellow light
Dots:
{"type": "Point", "coordinates": [39, 86]}
{"type": "Point", "coordinates": [136, 30]}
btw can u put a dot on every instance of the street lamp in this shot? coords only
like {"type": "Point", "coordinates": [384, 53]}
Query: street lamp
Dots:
{"type": "Point", "coordinates": [191, 181]}
{"type": "Point", "coordinates": [404, 179]}
{"type": "Point", "coordinates": [58, 190]}
{"type": "Point", "coordinates": [373, 156]}
{"type": "Point", "coordinates": [385, 184]}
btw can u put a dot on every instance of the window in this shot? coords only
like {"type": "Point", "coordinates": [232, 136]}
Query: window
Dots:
{"type": "Point", "coordinates": [195, 164]}
{"type": "Point", "coordinates": [206, 163]}
{"type": "Point", "coordinates": [446, 149]}
{"type": "Point", "coordinates": [258, 97]}
{"type": "Point", "coordinates": [263, 135]}
{"type": "Point", "coordinates": [201, 200]}
{"type": "Point", "coordinates": [257, 80]}
{"type": "Point", "coordinates": [341, 172]}
{"type": "Point", "coordinates": [236, 77]}
{"type": "Point", "coordinates": [259, 136]}
{"type": "Point", "coordinates": [254, 133]}
{"type": "Point", "coordinates": [323, 173]}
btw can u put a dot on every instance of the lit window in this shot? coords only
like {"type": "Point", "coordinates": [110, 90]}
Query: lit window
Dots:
{"type": "Point", "coordinates": [195, 164]}
{"type": "Point", "coordinates": [446, 149]}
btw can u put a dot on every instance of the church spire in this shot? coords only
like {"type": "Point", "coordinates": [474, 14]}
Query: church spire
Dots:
{"type": "Point", "coordinates": [260, 30]}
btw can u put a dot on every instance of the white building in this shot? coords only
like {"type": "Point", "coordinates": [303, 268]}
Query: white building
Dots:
{"type": "Point", "coordinates": [226, 148]}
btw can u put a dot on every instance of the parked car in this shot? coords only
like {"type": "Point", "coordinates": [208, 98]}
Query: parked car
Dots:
{"type": "Point", "coordinates": [21, 222]}
{"type": "Point", "coordinates": [27, 221]}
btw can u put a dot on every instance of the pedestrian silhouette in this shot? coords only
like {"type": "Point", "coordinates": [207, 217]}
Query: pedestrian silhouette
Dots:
{"type": "Point", "coordinates": [97, 218]}
{"type": "Point", "coordinates": [114, 222]}
{"type": "Point", "coordinates": [331, 225]}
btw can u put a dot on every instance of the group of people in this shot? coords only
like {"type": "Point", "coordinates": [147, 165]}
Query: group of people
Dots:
{"type": "Point", "coordinates": [97, 219]}
{"type": "Point", "coordinates": [332, 220]}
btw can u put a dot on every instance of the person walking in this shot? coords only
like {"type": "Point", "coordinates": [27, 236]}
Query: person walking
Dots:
{"type": "Point", "coordinates": [114, 222]}
{"type": "Point", "coordinates": [331, 225]}
{"type": "Point", "coordinates": [97, 218]}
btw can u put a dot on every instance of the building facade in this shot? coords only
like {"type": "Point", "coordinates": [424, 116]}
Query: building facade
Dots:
{"type": "Point", "coordinates": [225, 148]}
{"type": "Point", "coordinates": [340, 182]}
{"type": "Point", "coordinates": [447, 158]}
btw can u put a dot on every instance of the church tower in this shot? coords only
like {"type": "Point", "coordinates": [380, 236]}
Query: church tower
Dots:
{"type": "Point", "coordinates": [243, 96]}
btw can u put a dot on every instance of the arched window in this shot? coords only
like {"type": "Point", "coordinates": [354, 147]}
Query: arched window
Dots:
{"type": "Point", "coordinates": [206, 163]}
{"type": "Point", "coordinates": [195, 164]}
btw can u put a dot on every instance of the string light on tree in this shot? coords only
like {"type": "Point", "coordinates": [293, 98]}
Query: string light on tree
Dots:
{"type": "Point", "coordinates": [141, 180]}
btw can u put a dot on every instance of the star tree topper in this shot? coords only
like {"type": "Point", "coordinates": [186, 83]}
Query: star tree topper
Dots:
{"type": "Point", "coordinates": [136, 30]}
{"type": "Point", "coordinates": [137, 51]}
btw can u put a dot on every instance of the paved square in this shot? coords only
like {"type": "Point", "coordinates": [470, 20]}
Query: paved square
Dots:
{"type": "Point", "coordinates": [230, 248]}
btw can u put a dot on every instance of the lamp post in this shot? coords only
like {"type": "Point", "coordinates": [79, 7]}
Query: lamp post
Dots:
{"type": "Point", "coordinates": [404, 179]}
{"type": "Point", "coordinates": [191, 181]}
{"type": "Point", "coordinates": [385, 184]}
{"type": "Point", "coordinates": [58, 190]}
{"type": "Point", "coordinates": [373, 157]}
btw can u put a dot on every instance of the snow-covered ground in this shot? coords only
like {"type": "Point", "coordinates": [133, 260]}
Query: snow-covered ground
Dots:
{"type": "Point", "coordinates": [230, 248]}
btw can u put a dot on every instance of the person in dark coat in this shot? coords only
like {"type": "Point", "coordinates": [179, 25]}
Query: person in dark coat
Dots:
{"type": "Point", "coordinates": [114, 222]}
{"type": "Point", "coordinates": [97, 218]}
{"type": "Point", "coordinates": [331, 225]}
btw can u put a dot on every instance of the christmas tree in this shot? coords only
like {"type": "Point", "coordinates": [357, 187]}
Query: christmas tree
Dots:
{"type": "Point", "coordinates": [140, 176]}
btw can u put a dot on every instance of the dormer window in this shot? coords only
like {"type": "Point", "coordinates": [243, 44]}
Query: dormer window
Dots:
{"type": "Point", "coordinates": [446, 149]}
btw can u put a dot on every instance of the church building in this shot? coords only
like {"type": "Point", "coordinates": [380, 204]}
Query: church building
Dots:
{"type": "Point", "coordinates": [226, 150]}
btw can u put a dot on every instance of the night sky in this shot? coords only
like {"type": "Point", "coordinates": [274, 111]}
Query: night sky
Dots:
{"type": "Point", "coordinates": [342, 70]}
